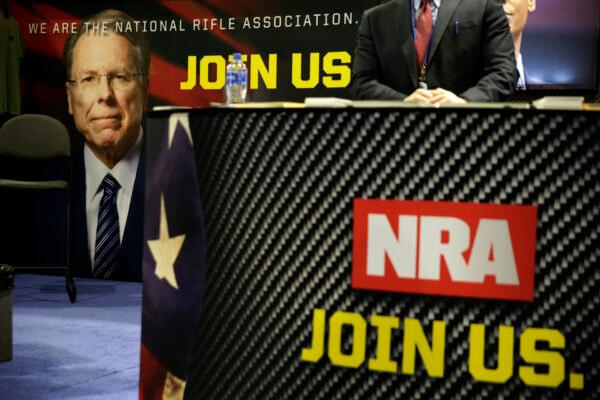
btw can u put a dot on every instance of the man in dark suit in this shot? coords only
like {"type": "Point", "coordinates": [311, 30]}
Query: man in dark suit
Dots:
{"type": "Point", "coordinates": [107, 90]}
{"type": "Point", "coordinates": [468, 55]}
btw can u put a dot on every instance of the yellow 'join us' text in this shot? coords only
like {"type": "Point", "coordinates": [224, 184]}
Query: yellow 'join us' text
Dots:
{"type": "Point", "coordinates": [332, 70]}
{"type": "Point", "coordinates": [542, 368]}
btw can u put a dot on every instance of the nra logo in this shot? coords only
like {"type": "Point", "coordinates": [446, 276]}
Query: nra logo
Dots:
{"type": "Point", "coordinates": [445, 248]}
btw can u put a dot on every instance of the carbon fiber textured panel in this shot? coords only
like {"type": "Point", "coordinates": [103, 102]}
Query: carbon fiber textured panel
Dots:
{"type": "Point", "coordinates": [277, 194]}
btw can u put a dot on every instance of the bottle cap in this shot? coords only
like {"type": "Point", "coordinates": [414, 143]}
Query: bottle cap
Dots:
{"type": "Point", "coordinates": [237, 56]}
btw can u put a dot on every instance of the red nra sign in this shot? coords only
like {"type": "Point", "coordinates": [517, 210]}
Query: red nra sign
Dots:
{"type": "Point", "coordinates": [445, 248]}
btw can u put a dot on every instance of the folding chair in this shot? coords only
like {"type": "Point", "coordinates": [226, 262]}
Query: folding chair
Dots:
{"type": "Point", "coordinates": [34, 137]}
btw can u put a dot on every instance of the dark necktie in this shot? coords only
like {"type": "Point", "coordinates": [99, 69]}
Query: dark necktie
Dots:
{"type": "Point", "coordinates": [107, 232]}
{"type": "Point", "coordinates": [424, 26]}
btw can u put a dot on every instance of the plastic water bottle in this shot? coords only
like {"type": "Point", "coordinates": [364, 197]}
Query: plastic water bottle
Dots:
{"type": "Point", "coordinates": [236, 83]}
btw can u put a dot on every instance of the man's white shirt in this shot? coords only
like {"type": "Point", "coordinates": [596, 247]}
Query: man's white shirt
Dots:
{"type": "Point", "coordinates": [521, 81]}
{"type": "Point", "coordinates": [435, 6]}
{"type": "Point", "coordinates": [95, 171]}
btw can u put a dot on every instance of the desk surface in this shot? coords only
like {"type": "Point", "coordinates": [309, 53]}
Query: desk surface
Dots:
{"type": "Point", "coordinates": [86, 350]}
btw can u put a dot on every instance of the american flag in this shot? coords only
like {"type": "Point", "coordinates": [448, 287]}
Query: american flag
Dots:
{"type": "Point", "coordinates": [174, 259]}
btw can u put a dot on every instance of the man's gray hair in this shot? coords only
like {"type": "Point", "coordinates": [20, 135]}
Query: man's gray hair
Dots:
{"type": "Point", "coordinates": [109, 20]}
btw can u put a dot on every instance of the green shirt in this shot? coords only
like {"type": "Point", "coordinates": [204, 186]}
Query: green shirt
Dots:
{"type": "Point", "coordinates": [11, 52]}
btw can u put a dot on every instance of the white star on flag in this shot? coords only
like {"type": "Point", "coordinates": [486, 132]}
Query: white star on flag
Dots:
{"type": "Point", "coordinates": [165, 249]}
{"type": "Point", "coordinates": [183, 119]}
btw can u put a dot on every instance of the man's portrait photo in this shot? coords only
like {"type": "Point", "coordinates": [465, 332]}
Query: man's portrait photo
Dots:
{"type": "Point", "coordinates": [107, 89]}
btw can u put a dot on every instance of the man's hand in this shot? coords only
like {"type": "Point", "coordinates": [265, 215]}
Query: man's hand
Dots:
{"type": "Point", "coordinates": [421, 96]}
{"type": "Point", "coordinates": [443, 96]}
{"type": "Point", "coordinates": [434, 97]}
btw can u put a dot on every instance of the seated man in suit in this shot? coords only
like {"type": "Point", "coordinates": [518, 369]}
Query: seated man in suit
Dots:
{"type": "Point", "coordinates": [434, 52]}
{"type": "Point", "coordinates": [107, 90]}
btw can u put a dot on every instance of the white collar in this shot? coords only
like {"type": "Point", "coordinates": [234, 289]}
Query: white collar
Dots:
{"type": "Point", "coordinates": [417, 4]}
{"type": "Point", "coordinates": [521, 81]}
{"type": "Point", "coordinates": [520, 64]}
{"type": "Point", "coordinates": [124, 171]}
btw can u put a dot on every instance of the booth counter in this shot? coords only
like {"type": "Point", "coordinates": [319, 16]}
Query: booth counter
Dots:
{"type": "Point", "coordinates": [282, 191]}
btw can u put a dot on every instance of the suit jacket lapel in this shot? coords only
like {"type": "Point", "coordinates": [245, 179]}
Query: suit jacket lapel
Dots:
{"type": "Point", "coordinates": [444, 15]}
{"type": "Point", "coordinates": [130, 253]}
{"type": "Point", "coordinates": [80, 260]}
{"type": "Point", "coordinates": [403, 25]}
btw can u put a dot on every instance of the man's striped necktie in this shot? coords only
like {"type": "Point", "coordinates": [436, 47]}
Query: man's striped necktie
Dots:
{"type": "Point", "coordinates": [107, 233]}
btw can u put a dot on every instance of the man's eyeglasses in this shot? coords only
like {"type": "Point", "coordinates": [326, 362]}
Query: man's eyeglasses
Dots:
{"type": "Point", "coordinates": [117, 80]}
